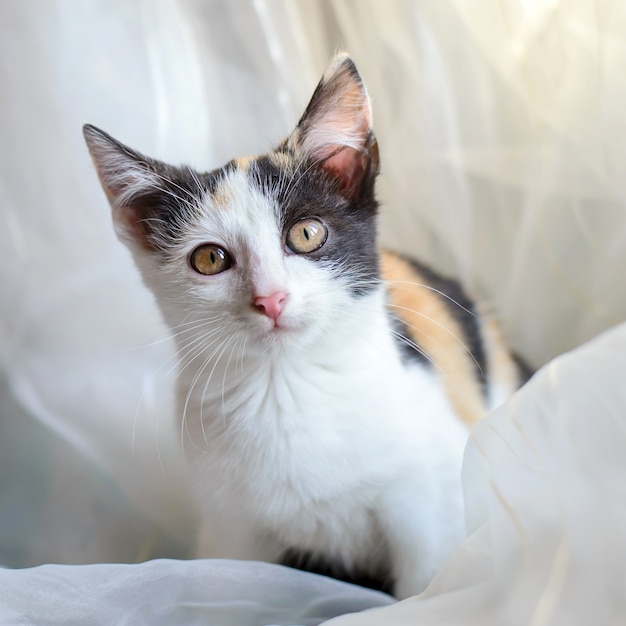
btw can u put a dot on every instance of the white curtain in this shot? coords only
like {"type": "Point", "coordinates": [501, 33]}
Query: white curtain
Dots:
{"type": "Point", "coordinates": [501, 126]}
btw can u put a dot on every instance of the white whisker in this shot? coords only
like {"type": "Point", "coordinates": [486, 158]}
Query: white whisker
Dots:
{"type": "Point", "coordinates": [443, 294]}
{"type": "Point", "coordinates": [439, 325]}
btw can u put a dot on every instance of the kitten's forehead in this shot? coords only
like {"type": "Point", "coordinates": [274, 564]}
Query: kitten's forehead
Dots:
{"type": "Point", "coordinates": [252, 185]}
{"type": "Point", "coordinates": [238, 208]}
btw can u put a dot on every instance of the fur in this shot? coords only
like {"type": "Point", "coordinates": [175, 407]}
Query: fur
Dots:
{"type": "Point", "coordinates": [334, 432]}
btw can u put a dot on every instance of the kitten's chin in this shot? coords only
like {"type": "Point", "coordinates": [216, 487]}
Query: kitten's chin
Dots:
{"type": "Point", "coordinates": [284, 334]}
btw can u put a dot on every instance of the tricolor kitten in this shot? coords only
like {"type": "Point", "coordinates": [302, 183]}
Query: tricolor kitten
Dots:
{"type": "Point", "coordinates": [325, 390]}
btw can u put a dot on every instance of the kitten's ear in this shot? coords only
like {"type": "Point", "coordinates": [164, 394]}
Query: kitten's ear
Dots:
{"type": "Point", "coordinates": [126, 177]}
{"type": "Point", "coordinates": [336, 128]}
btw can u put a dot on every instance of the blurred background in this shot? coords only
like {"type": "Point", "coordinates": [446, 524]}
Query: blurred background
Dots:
{"type": "Point", "coordinates": [501, 125]}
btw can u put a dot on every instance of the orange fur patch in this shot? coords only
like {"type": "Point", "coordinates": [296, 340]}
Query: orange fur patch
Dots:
{"type": "Point", "coordinates": [243, 163]}
{"type": "Point", "coordinates": [504, 371]}
{"type": "Point", "coordinates": [223, 196]}
{"type": "Point", "coordinates": [281, 159]}
{"type": "Point", "coordinates": [431, 326]}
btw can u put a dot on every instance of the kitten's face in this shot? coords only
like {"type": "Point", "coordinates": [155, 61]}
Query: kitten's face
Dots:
{"type": "Point", "coordinates": [267, 251]}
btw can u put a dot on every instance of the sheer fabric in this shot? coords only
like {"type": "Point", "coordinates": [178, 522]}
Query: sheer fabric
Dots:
{"type": "Point", "coordinates": [501, 129]}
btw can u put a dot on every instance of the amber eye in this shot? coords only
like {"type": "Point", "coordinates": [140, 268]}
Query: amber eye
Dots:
{"type": "Point", "coordinates": [210, 259]}
{"type": "Point", "coordinates": [307, 236]}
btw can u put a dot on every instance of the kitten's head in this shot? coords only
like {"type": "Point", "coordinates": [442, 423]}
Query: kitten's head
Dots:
{"type": "Point", "coordinates": [267, 250]}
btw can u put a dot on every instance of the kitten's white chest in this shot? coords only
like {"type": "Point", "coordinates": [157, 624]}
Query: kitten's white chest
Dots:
{"type": "Point", "coordinates": [304, 447]}
{"type": "Point", "coordinates": [300, 427]}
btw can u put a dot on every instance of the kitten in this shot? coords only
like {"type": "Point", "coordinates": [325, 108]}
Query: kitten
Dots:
{"type": "Point", "coordinates": [325, 390]}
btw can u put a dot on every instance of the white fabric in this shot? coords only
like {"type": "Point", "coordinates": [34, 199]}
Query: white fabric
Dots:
{"type": "Point", "coordinates": [181, 593]}
{"type": "Point", "coordinates": [545, 480]}
{"type": "Point", "coordinates": [544, 476]}
{"type": "Point", "coordinates": [501, 128]}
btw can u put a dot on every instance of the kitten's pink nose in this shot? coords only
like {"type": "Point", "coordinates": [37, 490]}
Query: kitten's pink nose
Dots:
{"type": "Point", "coordinates": [272, 306]}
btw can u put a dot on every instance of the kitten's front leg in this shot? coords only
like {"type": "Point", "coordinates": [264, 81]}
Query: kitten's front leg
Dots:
{"type": "Point", "coordinates": [421, 533]}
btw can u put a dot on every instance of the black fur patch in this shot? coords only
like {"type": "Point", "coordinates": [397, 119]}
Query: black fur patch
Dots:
{"type": "Point", "coordinates": [307, 191]}
{"type": "Point", "coordinates": [525, 372]}
{"type": "Point", "coordinates": [166, 210]}
{"type": "Point", "coordinates": [317, 564]}
{"type": "Point", "coordinates": [409, 350]}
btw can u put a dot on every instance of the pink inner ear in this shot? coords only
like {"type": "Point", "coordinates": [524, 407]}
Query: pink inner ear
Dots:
{"type": "Point", "coordinates": [335, 130]}
{"type": "Point", "coordinates": [130, 226]}
{"type": "Point", "coordinates": [346, 165]}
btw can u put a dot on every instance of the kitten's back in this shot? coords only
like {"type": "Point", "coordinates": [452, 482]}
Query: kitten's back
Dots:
{"type": "Point", "coordinates": [438, 324]}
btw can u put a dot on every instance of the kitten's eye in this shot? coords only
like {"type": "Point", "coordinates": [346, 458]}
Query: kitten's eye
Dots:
{"type": "Point", "coordinates": [307, 236]}
{"type": "Point", "coordinates": [209, 259]}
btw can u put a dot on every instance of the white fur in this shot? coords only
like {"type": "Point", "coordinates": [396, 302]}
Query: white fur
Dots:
{"type": "Point", "coordinates": [313, 435]}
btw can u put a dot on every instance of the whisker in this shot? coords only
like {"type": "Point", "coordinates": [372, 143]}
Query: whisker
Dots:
{"type": "Point", "coordinates": [440, 325]}
{"type": "Point", "coordinates": [199, 344]}
{"type": "Point", "coordinates": [174, 333]}
{"type": "Point", "coordinates": [412, 344]}
{"type": "Point", "coordinates": [196, 180]}
{"type": "Point", "coordinates": [230, 356]}
{"type": "Point", "coordinates": [179, 355]}
{"type": "Point", "coordinates": [184, 430]}
{"type": "Point", "coordinates": [293, 181]}
{"type": "Point", "coordinates": [443, 294]}
{"type": "Point", "coordinates": [242, 354]}
{"type": "Point", "coordinates": [222, 349]}
{"type": "Point", "coordinates": [196, 377]}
